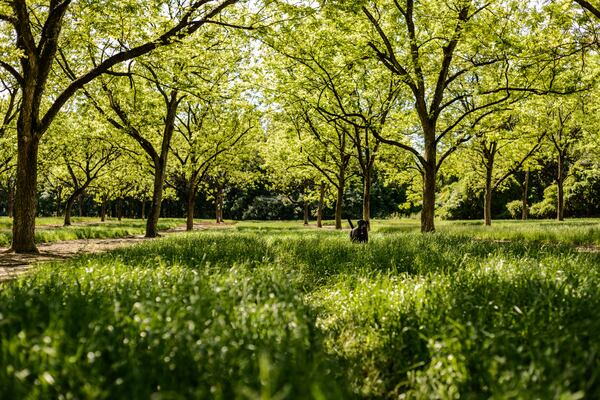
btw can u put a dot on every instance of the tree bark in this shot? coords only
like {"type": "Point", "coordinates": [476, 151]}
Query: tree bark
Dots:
{"type": "Point", "coordinates": [80, 204]}
{"type": "Point", "coordinates": [191, 204]}
{"type": "Point", "coordinates": [103, 209]}
{"type": "Point", "coordinates": [525, 204]}
{"type": "Point", "coordinates": [160, 165]}
{"type": "Point", "coordinates": [487, 202]}
{"type": "Point", "coordinates": [221, 205]}
{"type": "Point", "coordinates": [429, 176]}
{"type": "Point", "coordinates": [320, 206]}
{"type": "Point", "coordinates": [560, 183]}
{"type": "Point", "coordinates": [339, 201]}
{"type": "Point", "coordinates": [11, 200]}
{"type": "Point", "coordinates": [68, 209]}
{"type": "Point", "coordinates": [366, 212]}
{"type": "Point", "coordinates": [26, 190]}
{"type": "Point", "coordinates": [306, 212]}
{"type": "Point", "coordinates": [157, 193]}
{"type": "Point", "coordinates": [338, 207]}
{"type": "Point", "coordinates": [119, 208]}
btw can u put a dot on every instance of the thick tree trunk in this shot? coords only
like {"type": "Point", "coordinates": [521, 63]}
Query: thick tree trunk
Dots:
{"type": "Point", "coordinates": [306, 212]}
{"type": "Point", "coordinates": [525, 204]}
{"type": "Point", "coordinates": [191, 204]}
{"type": "Point", "coordinates": [26, 192]}
{"type": "Point", "coordinates": [561, 193]}
{"type": "Point", "coordinates": [320, 206]}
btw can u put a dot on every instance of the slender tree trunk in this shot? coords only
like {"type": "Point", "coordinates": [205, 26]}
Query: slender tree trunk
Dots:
{"type": "Point", "coordinates": [191, 204]}
{"type": "Point", "coordinates": [68, 209]}
{"type": "Point", "coordinates": [221, 205]}
{"type": "Point", "coordinates": [561, 193]}
{"type": "Point", "coordinates": [103, 209]}
{"type": "Point", "coordinates": [119, 209]}
{"type": "Point", "coordinates": [160, 165]}
{"type": "Point", "coordinates": [525, 204]}
{"type": "Point", "coordinates": [487, 202]}
{"type": "Point", "coordinates": [428, 212]}
{"type": "Point", "coordinates": [366, 211]}
{"type": "Point", "coordinates": [143, 208]}
{"type": "Point", "coordinates": [429, 176]}
{"type": "Point", "coordinates": [80, 204]}
{"type": "Point", "coordinates": [339, 201]}
{"type": "Point", "coordinates": [26, 191]}
{"type": "Point", "coordinates": [59, 202]}
{"type": "Point", "coordinates": [306, 212]}
{"type": "Point", "coordinates": [320, 206]}
{"type": "Point", "coordinates": [157, 193]}
{"type": "Point", "coordinates": [338, 207]}
{"type": "Point", "coordinates": [11, 200]}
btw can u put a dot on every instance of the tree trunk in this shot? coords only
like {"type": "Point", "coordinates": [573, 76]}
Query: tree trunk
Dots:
{"type": "Point", "coordinates": [487, 202]}
{"type": "Point", "coordinates": [11, 200]}
{"type": "Point", "coordinates": [429, 174]}
{"type": "Point", "coordinates": [561, 193]}
{"type": "Point", "coordinates": [428, 212]}
{"type": "Point", "coordinates": [68, 209]}
{"type": "Point", "coordinates": [103, 209]}
{"type": "Point", "coordinates": [119, 209]}
{"type": "Point", "coordinates": [320, 206]}
{"type": "Point", "coordinates": [80, 204]}
{"type": "Point", "coordinates": [221, 205]}
{"type": "Point", "coordinates": [143, 208]}
{"type": "Point", "coordinates": [191, 204]}
{"type": "Point", "coordinates": [26, 191]}
{"type": "Point", "coordinates": [525, 205]}
{"type": "Point", "coordinates": [339, 200]}
{"type": "Point", "coordinates": [157, 193]}
{"type": "Point", "coordinates": [338, 207]}
{"type": "Point", "coordinates": [306, 212]}
{"type": "Point", "coordinates": [366, 211]}
{"type": "Point", "coordinates": [160, 165]}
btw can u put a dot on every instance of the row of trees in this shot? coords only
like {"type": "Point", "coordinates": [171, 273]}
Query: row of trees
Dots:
{"type": "Point", "coordinates": [131, 98]}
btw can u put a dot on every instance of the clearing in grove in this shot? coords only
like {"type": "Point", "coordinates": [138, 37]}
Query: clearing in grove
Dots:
{"type": "Point", "coordinates": [280, 311]}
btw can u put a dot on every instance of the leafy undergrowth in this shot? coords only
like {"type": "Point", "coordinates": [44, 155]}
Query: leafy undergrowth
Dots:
{"type": "Point", "coordinates": [90, 229]}
{"type": "Point", "coordinates": [304, 314]}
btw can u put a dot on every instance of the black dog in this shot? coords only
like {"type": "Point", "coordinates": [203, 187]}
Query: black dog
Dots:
{"type": "Point", "coordinates": [360, 234]}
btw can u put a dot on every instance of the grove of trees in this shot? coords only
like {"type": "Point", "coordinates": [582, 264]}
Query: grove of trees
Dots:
{"type": "Point", "coordinates": [278, 109]}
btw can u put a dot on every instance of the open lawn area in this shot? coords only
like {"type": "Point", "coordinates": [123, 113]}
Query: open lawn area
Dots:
{"type": "Point", "coordinates": [51, 229]}
{"type": "Point", "coordinates": [274, 310]}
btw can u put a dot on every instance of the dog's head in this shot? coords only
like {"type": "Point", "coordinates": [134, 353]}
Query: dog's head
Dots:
{"type": "Point", "coordinates": [362, 224]}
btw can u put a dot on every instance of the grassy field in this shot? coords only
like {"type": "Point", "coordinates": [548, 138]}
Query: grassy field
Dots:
{"type": "Point", "coordinates": [277, 311]}
{"type": "Point", "coordinates": [50, 229]}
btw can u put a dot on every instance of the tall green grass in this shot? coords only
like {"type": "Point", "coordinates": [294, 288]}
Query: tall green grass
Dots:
{"type": "Point", "coordinates": [276, 311]}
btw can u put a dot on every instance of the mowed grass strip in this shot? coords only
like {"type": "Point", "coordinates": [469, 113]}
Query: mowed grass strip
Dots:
{"type": "Point", "coordinates": [50, 230]}
{"type": "Point", "coordinates": [274, 312]}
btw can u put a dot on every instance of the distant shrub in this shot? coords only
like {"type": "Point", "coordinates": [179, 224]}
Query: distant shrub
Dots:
{"type": "Point", "coordinates": [547, 207]}
{"type": "Point", "coordinates": [515, 208]}
{"type": "Point", "coordinates": [270, 208]}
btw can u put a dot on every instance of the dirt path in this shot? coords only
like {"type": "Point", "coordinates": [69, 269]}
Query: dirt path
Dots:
{"type": "Point", "coordinates": [14, 265]}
